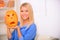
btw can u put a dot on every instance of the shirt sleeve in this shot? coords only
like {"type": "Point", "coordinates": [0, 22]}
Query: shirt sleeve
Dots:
{"type": "Point", "coordinates": [30, 33]}
{"type": "Point", "coordinates": [13, 35]}
{"type": "Point", "coordinates": [18, 23]}
{"type": "Point", "coordinates": [21, 38]}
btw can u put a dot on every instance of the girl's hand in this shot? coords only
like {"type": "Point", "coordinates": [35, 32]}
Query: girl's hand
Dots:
{"type": "Point", "coordinates": [13, 27]}
{"type": "Point", "coordinates": [8, 33]}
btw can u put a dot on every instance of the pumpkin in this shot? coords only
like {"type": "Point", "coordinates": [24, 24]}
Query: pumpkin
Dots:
{"type": "Point", "coordinates": [11, 18]}
{"type": "Point", "coordinates": [10, 3]}
{"type": "Point", "coordinates": [2, 4]}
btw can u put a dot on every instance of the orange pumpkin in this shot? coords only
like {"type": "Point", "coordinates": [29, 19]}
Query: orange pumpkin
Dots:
{"type": "Point", "coordinates": [10, 3]}
{"type": "Point", "coordinates": [11, 18]}
{"type": "Point", "coordinates": [2, 4]}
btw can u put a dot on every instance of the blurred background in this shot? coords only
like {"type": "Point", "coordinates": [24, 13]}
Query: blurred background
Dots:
{"type": "Point", "coordinates": [46, 17]}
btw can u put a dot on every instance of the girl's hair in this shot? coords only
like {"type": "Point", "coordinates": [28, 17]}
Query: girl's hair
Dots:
{"type": "Point", "coordinates": [30, 10]}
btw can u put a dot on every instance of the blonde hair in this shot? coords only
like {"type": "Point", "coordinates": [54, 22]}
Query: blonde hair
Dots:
{"type": "Point", "coordinates": [30, 10]}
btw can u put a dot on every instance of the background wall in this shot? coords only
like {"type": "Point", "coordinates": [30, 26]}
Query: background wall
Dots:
{"type": "Point", "coordinates": [53, 18]}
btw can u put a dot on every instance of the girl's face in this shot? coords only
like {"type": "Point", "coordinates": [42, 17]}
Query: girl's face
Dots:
{"type": "Point", "coordinates": [24, 13]}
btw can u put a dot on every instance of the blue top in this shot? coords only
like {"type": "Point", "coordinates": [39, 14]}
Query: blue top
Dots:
{"type": "Point", "coordinates": [27, 33]}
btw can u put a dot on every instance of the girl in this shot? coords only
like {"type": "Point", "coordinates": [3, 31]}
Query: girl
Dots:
{"type": "Point", "coordinates": [27, 29]}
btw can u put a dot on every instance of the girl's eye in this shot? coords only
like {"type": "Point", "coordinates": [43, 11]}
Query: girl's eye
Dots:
{"type": "Point", "coordinates": [21, 10]}
{"type": "Point", "coordinates": [26, 10]}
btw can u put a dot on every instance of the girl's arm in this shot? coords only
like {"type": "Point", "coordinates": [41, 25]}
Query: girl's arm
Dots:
{"type": "Point", "coordinates": [8, 33]}
{"type": "Point", "coordinates": [19, 33]}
